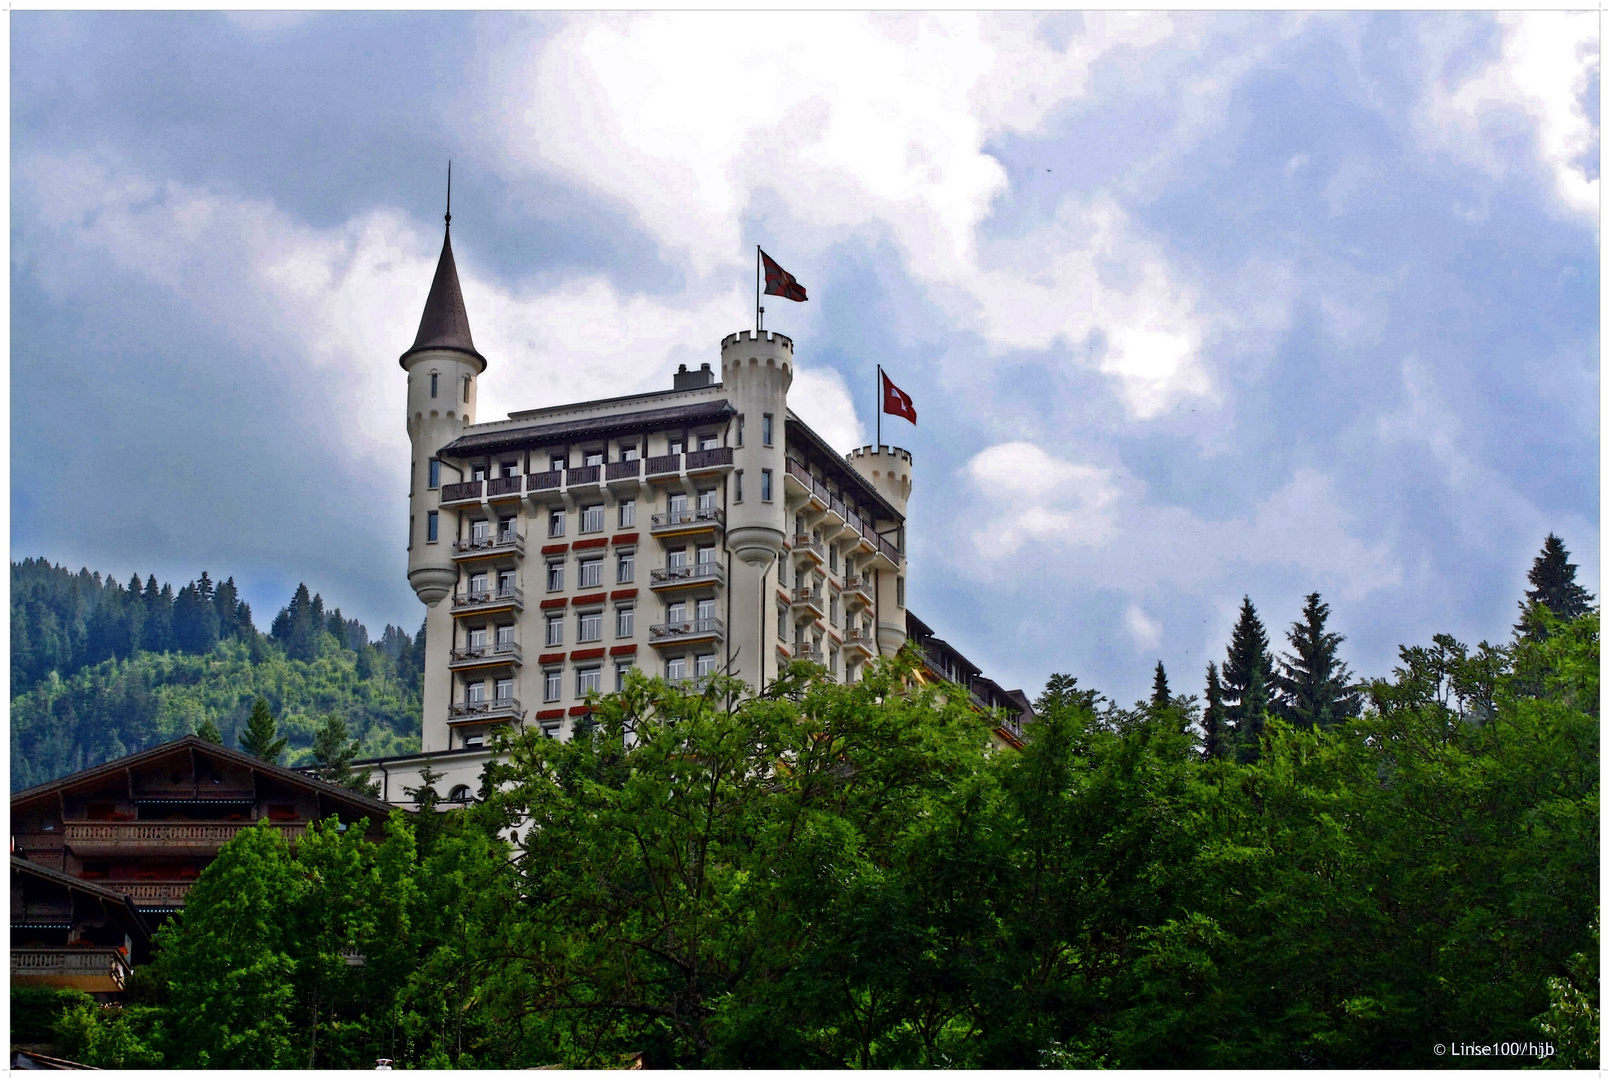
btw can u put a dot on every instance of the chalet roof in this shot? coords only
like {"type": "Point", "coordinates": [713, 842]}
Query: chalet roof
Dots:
{"type": "Point", "coordinates": [89, 888]}
{"type": "Point", "coordinates": [595, 427]}
{"type": "Point", "coordinates": [356, 802]}
{"type": "Point", "coordinates": [445, 324]}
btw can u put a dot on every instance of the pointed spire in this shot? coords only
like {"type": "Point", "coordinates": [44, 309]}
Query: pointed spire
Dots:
{"type": "Point", "coordinates": [445, 324]}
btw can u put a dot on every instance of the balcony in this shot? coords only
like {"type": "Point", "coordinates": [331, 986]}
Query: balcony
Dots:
{"type": "Point", "coordinates": [889, 553]}
{"type": "Point", "coordinates": [152, 894]}
{"type": "Point", "coordinates": [857, 593]}
{"type": "Point", "coordinates": [504, 487]}
{"type": "Point", "coordinates": [505, 599]}
{"type": "Point", "coordinates": [683, 577]}
{"type": "Point", "coordinates": [685, 632]}
{"type": "Point", "coordinates": [543, 481]}
{"type": "Point", "coordinates": [91, 838]}
{"type": "Point", "coordinates": [796, 477]}
{"type": "Point", "coordinates": [470, 491]}
{"type": "Point", "coordinates": [812, 549]}
{"type": "Point", "coordinates": [91, 969]}
{"type": "Point", "coordinates": [717, 457]}
{"type": "Point", "coordinates": [812, 653]}
{"type": "Point", "coordinates": [681, 522]}
{"type": "Point", "coordinates": [623, 470]}
{"type": "Point", "coordinates": [504, 654]}
{"type": "Point", "coordinates": [660, 466]}
{"type": "Point", "coordinates": [807, 605]}
{"type": "Point", "coordinates": [490, 546]}
{"type": "Point", "coordinates": [862, 640]}
{"type": "Point", "coordinates": [481, 712]}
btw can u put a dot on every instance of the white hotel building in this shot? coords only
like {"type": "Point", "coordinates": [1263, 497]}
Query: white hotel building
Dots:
{"type": "Point", "coordinates": [702, 528]}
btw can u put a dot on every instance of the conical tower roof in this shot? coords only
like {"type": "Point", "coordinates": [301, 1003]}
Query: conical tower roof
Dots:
{"type": "Point", "coordinates": [445, 324]}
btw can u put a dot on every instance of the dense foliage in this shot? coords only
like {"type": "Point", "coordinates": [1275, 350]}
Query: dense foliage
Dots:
{"type": "Point", "coordinates": [831, 876]}
{"type": "Point", "coordinates": [99, 670]}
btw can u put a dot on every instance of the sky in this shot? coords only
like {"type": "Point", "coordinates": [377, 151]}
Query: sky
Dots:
{"type": "Point", "coordinates": [1192, 306]}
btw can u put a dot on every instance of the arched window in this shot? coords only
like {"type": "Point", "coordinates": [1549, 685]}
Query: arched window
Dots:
{"type": "Point", "coordinates": [459, 794]}
{"type": "Point", "coordinates": [433, 377]}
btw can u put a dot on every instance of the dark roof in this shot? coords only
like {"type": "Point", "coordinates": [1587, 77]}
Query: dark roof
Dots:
{"type": "Point", "coordinates": [843, 471]}
{"type": "Point", "coordinates": [445, 324]}
{"type": "Point", "coordinates": [356, 800]}
{"type": "Point", "coordinates": [100, 892]}
{"type": "Point", "coordinates": [494, 442]}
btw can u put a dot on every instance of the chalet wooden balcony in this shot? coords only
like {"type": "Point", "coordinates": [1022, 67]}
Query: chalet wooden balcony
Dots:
{"type": "Point", "coordinates": [505, 599]}
{"type": "Point", "coordinates": [92, 838]}
{"type": "Point", "coordinates": [683, 577]}
{"type": "Point", "coordinates": [684, 633]}
{"type": "Point", "coordinates": [506, 654]}
{"type": "Point", "coordinates": [717, 457]}
{"type": "Point", "coordinates": [666, 463]}
{"type": "Point", "coordinates": [808, 605]}
{"type": "Point", "coordinates": [797, 478]}
{"type": "Point", "coordinates": [889, 554]}
{"type": "Point", "coordinates": [504, 487]}
{"type": "Point", "coordinates": [544, 481]}
{"type": "Point", "coordinates": [857, 593]}
{"type": "Point", "coordinates": [469, 491]}
{"type": "Point", "coordinates": [622, 471]}
{"type": "Point", "coordinates": [482, 712]}
{"type": "Point", "coordinates": [151, 894]}
{"type": "Point", "coordinates": [93, 970]}
{"type": "Point", "coordinates": [489, 547]}
{"type": "Point", "coordinates": [587, 476]}
{"type": "Point", "coordinates": [688, 521]}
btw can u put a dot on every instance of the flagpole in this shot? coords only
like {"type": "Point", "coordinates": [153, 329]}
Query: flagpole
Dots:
{"type": "Point", "coordinates": [878, 405]}
{"type": "Point", "coordinates": [757, 290]}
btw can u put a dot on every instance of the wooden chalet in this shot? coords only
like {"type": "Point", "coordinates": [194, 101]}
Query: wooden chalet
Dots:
{"type": "Point", "coordinates": [146, 825]}
{"type": "Point", "coordinates": [72, 934]}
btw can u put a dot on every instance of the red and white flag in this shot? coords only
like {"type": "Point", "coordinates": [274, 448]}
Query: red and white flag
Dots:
{"type": "Point", "coordinates": [896, 402]}
{"type": "Point", "coordinates": [780, 282]}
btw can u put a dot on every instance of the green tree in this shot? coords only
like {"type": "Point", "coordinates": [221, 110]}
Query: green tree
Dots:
{"type": "Point", "coordinates": [1160, 698]}
{"type": "Point", "coordinates": [209, 731]}
{"type": "Point", "coordinates": [1554, 586]}
{"type": "Point", "coordinates": [333, 751]}
{"type": "Point", "coordinates": [259, 739]}
{"type": "Point", "coordinates": [1247, 677]}
{"type": "Point", "coordinates": [1315, 688]}
{"type": "Point", "coordinates": [1213, 717]}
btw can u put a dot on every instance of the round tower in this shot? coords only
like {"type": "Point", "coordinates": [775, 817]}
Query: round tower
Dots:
{"type": "Point", "coordinates": [442, 366]}
{"type": "Point", "coordinates": [756, 370]}
{"type": "Point", "coordinates": [888, 469]}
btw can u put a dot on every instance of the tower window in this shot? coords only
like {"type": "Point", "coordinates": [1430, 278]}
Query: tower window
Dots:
{"type": "Point", "coordinates": [433, 378]}
{"type": "Point", "coordinates": [740, 440]}
{"type": "Point", "coordinates": [466, 389]}
{"type": "Point", "coordinates": [738, 486]}
{"type": "Point", "coordinates": [899, 592]}
{"type": "Point", "coordinates": [765, 485]}
{"type": "Point", "coordinates": [431, 524]}
{"type": "Point", "coordinates": [435, 468]}
{"type": "Point", "coordinates": [765, 429]}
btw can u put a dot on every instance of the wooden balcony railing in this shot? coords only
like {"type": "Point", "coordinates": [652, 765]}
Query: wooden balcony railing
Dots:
{"type": "Point", "coordinates": [623, 470]}
{"type": "Point", "coordinates": [543, 481]}
{"type": "Point", "coordinates": [70, 961]}
{"type": "Point", "coordinates": [713, 458]}
{"type": "Point", "coordinates": [151, 893]}
{"type": "Point", "coordinates": [504, 485]}
{"type": "Point", "coordinates": [82, 835]}
{"type": "Point", "coordinates": [587, 474]}
{"type": "Point", "coordinates": [470, 489]}
{"type": "Point", "coordinates": [668, 463]}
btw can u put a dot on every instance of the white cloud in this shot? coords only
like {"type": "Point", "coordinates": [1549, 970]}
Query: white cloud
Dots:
{"type": "Point", "coordinates": [871, 123]}
{"type": "Point", "coordinates": [819, 397]}
{"type": "Point", "coordinates": [1033, 496]}
{"type": "Point", "coordinates": [1146, 631]}
{"type": "Point", "coordinates": [1545, 67]}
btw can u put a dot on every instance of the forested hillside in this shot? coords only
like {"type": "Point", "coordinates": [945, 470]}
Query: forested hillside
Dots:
{"type": "Point", "coordinates": [100, 669]}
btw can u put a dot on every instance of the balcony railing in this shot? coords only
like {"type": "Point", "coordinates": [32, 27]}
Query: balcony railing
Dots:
{"type": "Point", "coordinates": [459, 712]}
{"type": "Point", "coordinates": [713, 458]}
{"type": "Point", "coordinates": [499, 544]}
{"type": "Point", "coordinates": [804, 545]}
{"type": "Point", "coordinates": [587, 474]}
{"type": "Point", "coordinates": [861, 639]}
{"type": "Point", "coordinates": [666, 633]}
{"type": "Point", "coordinates": [70, 962]}
{"type": "Point", "coordinates": [813, 653]}
{"type": "Point", "coordinates": [506, 652]}
{"type": "Point", "coordinates": [888, 551]}
{"type": "Point", "coordinates": [623, 470]}
{"type": "Point", "coordinates": [809, 600]}
{"type": "Point", "coordinates": [668, 463]}
{"type": "Point", "coordinates": [798, 471]}
{"type": "Point", "coordinates": [697, 574]}
{"type": "Point", "coordinates": [84, 836]}
{"type": "Point", "coordinates": [151, 893]}
{"type": "Point", "coordinates": [470, 489]}
{"type": "Point", "coordinates": [543, 481]}
{"type": "Point", "coordinates": [857, 592]}
{"type": "Point", "coordinates": [710, 517]}
{"type": "Point", "coordinates": [487, 598]}
{"type": "Point", "coordinates": [503, 485]}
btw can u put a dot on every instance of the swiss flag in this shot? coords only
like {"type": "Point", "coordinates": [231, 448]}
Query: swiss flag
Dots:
{"type": "Point", "coordinates": [897, 402]}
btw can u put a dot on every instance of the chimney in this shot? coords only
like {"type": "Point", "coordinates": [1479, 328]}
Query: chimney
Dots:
{"type": "Point", "coordinates": [692, 380]}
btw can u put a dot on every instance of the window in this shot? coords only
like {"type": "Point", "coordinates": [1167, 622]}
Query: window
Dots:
{"type": "Point", "coordinates": [628, 513]}
{"type": "Point", "coordinates": [556, 523]}
{"type": "Point", "coordinates": [765, 485]}
{"type": "Point", "coordinates": [676, 505]}
{"type": "Point", "coordinates": [592, 518]}
{"type": "Point", "coordinates": [676, 444]}
{"type": "Point", "coordinates": [430, 527]}
{"type": "Point", "coordinates": [556, 462]}
{"type": "Point", "coordinates": [593, 457]}
{"type": "Point", "coordinates": [738, 486]}
{"type": "Point", "coordinates": [475, 692]}
{"type": "Point", "coordinates": [592, 574]}
{"type": "Point", "coordinates": [676, 612]}
{"type": "Point", "coordinates": [504, 690]}
{"type": "Point", "coordinates": [556, 576]}
{"type": "Point", "coordinates": [474, 742]}
{"type": "Point", "coordinates": [707, 554]}
{"type": "Point", "coordinates": [833, 608]}
{"type": "Point", "coordinates": [740, 440]}
{"type": "Point", "coordinates": [505, 637]}
{"type": "Point", "coordinates": [478, 472]}
{"type": "Point", "coordinates": [477, 639]}
{"type": "Point", "coordinates": [707, 442]}
{"type": "Point", "coordinates": [480, 530]}
{"type": "Point", "coordinates": [466, 389]}
{"type": "Point", "coordinates": [629, 451]}
{"type": "Point", "coordinates": [620, 675]}
{"type": "Point", "coordinates": [676, 669]}
{"type": "Point", "coordinates": [556, 630]}
{"type": "Point", "coordinates": [676, 558]}
{"type": "Point", "coordinates": [590, 626]}
{"type": "Point", "coordinates": [833, 557]}
{"type": "Point", "coordinates": [833, 663]}
{"type": "Point", "coordinates": [461, 792]}
{"type": "Point", "coordinates": [478, 582]}
{"type": "Point", "coordinates": [505, 530]}
{"type": "Point", "coordinates": [707, 499]}
{"type": "Point", "coordinates": [510, 468]}
{"type": "Point", "coordinates": [624, 567]}
{"type": "Point", "coordinates": [589, 680]}
{"type": "Point", "coordinates": [705, 611]}
{"type": "Point", "coordinates": [765, 430]}
{"type": "Point", "coordinates": [704, 664]}
{"type": "Point", "coordinates": [623, 621]}
{"type": "Point", "coordinates": [433, 378]}
{"type": "Point", "coordinates": [552, 684]}
{"type": "Point", "coordinates": [506, 583]}
{"type": "Point", "coordinates": [782, 624]}
{"type": "Point", "coordinates": [899, 592]}
{"type": "Point", "coordinates": [410, 532]}
{"type": "Point", "coordinates": [435, 469]}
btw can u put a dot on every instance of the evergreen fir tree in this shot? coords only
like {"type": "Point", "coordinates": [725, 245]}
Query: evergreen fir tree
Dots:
{"type": "Point", "coordinates": [1247, 676]}
{"type": "Point", "coordinates": [1213, 719]}
{"type": "Point", "coordinates": [1254, 706]}
{"type": "Point", "coordinates": [1160, 698]}
{"type": "Point", "coordinates": [1553, 578]}
{"type": "Point", "coordinates": [258, 739]}
{"type": "Point", "coordinates": [1315, 687]}
{"type": "Point", "coordinates": [209, 731]}
{"type": "Point", "coordinates": [333, 751]}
